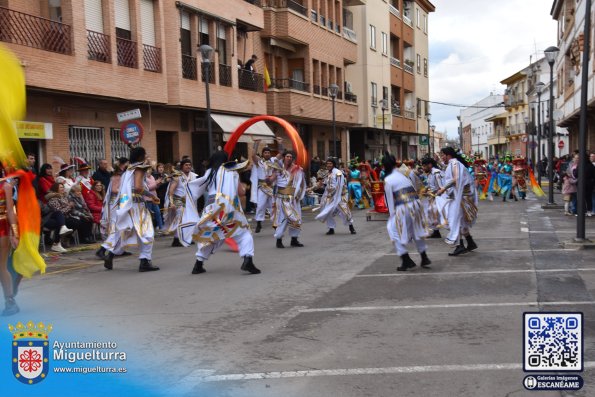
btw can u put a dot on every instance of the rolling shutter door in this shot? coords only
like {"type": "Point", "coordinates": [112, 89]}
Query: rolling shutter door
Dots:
{"type": "Point", "coordinates": [185, 20]}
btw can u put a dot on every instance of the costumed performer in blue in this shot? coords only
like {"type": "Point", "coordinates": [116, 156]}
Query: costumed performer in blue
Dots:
{"type": "Point", "coordinates": [407, 219]}
{"type": "Point", "coordinates": [355, 185]}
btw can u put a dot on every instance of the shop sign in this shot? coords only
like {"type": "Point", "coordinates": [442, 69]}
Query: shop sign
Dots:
{"type": "Point", "coordinates": [34, 130]}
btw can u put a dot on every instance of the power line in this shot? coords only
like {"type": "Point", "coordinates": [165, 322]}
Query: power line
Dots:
{"type": "Point", "coordinates": [498, 105]}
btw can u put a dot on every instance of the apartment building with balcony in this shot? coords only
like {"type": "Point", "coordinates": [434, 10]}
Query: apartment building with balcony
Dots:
{"type": "Point", "coordinates": [516, 104]}
{"type": "Point", "coordinates": [308, 46]}
{"type": "Point", "coordinates": [87, 60]}
{"type": "Point", "coordinates": [570, 15]}
{"type": "Point", "coordinates": [478, 120]}
{"type": "Point", "coordinates": [420, 20]}
{"type": "Point", "coordinates": [385, 77]}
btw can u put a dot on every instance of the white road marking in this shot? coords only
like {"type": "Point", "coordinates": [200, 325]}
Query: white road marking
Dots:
{"type": "Point", "coordinates": [442, 306]}
{"type": "Point", "coordinates": [369, 371]}
{"type": "Point", "coordinates": [498, 251]}
{"type": "Point", "coordinates": [525, 229]}
{"type": "Point", "coordinates": [464, 273]}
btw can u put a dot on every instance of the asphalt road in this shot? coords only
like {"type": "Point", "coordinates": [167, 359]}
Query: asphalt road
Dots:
{"type": "Point", "coordinates": [334, 317]}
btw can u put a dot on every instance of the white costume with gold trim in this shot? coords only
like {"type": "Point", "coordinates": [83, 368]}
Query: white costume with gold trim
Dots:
{"type": "Point", "coordinates": [407, 220]}
{"type": "Point", "coordinates": [291, 188]}
{"type": "Point", "coordinates": [335, 200]}
{"type": "Point", "coordinates": [222, 217]}
{"type": "Point", "coordinates": [462, 210]}
{"type": "Point", "coordinates": [182, 200]}
{"type": "Point", "coordinates": [107, 225]}
{"type": "Point", "coordinates": [134, 225]}
{"type": "Point", "coordinates": [261, 193]}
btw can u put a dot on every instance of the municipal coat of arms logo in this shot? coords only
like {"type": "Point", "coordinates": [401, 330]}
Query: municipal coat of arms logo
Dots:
{"type": "Point", "coordinates": [30, 351]}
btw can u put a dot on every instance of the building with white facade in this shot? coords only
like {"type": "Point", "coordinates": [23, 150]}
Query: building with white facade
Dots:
{"type": "Point", "coordinates": [475, 116]}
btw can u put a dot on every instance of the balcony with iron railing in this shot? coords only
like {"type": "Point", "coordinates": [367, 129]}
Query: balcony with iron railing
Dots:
{"type": "Point", "coordinates": [189, 67]}
{"type": "Point", "coordinates": [316, 89]}
{"type": "Point", "coordinates": [290, 4]}
{"type": "Point", "coordinates": [396, 110]}
{"type": "Point", "coordinates": [225, 75]}
{"type": "Point", "coordinates": [291, 84]}
{"type": "Point", "coordinates": [349, 34]}
{"type": "Point", "coordinates": [350, 97]}
{"type": "Point", "coordinates": [126, 51]}
{"type": "Point", "coordinates": [248, 80]}
{"type": "Point", "coordinates": [35, 32]}
{"type": "Point", "coordinates": [394, 10]}
{"type": "Point", "coordinates": [98, 47]}
{"type": "Point", "coordinates": [324, 91]}
{"type": "Point", "coordinates": [407, 20]}
{"type": "Point", "coordinates": [408, 67]}
{"type": "Point", "coordinates": [409, 114]}
{"type": "Point", "coordinates": [152, 58]}
{"type": "Point", "coordinates": [395, 62]}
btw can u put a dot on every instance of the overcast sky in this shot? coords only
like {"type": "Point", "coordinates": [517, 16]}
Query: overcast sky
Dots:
{"type": "Point", "coordinates": [475, 44]}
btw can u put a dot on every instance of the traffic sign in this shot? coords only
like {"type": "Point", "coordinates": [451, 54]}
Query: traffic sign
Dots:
{"type": "Point", "coordinates": [128, 115]}
{"type": "Point", "coordinates": [561, 145]}
{"type": "Point", "coordinates": [131, 132]}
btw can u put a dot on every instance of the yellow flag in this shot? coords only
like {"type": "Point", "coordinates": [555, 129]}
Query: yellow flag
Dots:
{"type": "Point", "coordinates": [267, 77]}
{"type": "Point", "coordinates": [26, 258]}
{"type": "Point", "coordinates": [12, 107]}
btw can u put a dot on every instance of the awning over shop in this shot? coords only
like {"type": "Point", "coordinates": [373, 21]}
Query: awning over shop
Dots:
{"type": "Point", "coordinates": [229, 124]}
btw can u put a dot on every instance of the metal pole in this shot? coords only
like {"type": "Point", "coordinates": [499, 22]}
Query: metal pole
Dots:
{"type": "Point", "coordinates": [209, 126]}
{"type": "Point", "coordinates": [539, 139]}
{"type": "Point", "coordinates": [550, 141]}
{"type": "Point", "coordinates": [383, 130]}
{"type": "Point", "coordinates": [582, 134]}
{"type": "Point", "coordinates": [429, 137]}
{"type": "Point", "coordinates": [334, 131]}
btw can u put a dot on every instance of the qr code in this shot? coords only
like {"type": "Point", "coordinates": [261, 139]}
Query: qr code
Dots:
{"type": "Point", "coordinates": [553, 342]}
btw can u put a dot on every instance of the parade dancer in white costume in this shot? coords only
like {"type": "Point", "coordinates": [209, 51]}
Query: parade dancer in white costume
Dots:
{"type": "Point", "coordinates": [107, 225]}
{"type": "Point", "coordinates": [406, 220]}
{"type": "Point", "coordinates": [176, 198]}
{"type": "Point", "coordinates": [222, 217]}
{"type": "Point", "coordinates": [462, 210]}
{"type": "Point", "coordinates": [291, 188]}
{"type": "Point", "coordinates": [134, 224]}
{"type": "Point", "coordinates": [435, 205]}
{"type": "Point", "coordinates": [335, 199]}
{"type": "Point", "coordinates": [261, 179]}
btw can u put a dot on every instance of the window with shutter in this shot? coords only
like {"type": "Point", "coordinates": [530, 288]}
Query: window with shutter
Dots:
{"type": "Point", "coordinates": [147, 22]}
{"type": "Point", "coordinates": [122, 12]}
{"type": "Point", "coordinates": [222, 44]}
{"type": "Point", "coordinates": [94, 15]}
{"type": "Point", "coordinates": [204, 31]}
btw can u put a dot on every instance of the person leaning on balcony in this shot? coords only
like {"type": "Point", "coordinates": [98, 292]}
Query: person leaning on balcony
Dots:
{"type": "Point", "coordinates": [250, 64]}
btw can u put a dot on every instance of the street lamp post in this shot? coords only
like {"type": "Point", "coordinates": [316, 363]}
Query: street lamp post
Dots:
{"type": "Point", "coordinates": [428, 115]}
{"type": "Point", "coordinates": [433, 128]}
{"type": "Point", "coordinates": [461, 132]}
{"type": "Point", "coordinates": [206, 51]}
{"type": "Point", "coordinates": [582, 134]}
{"type": "Point", "coordinates": [526, 138]}
{"type": "Point", "coordinates": [333, 90]}
{"type": "Point", "coordinates": [551, 53]}
{"type": "Point", "coordinates": [384, 106]}
{"type": "Point", "coordinates": [539, 86]}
